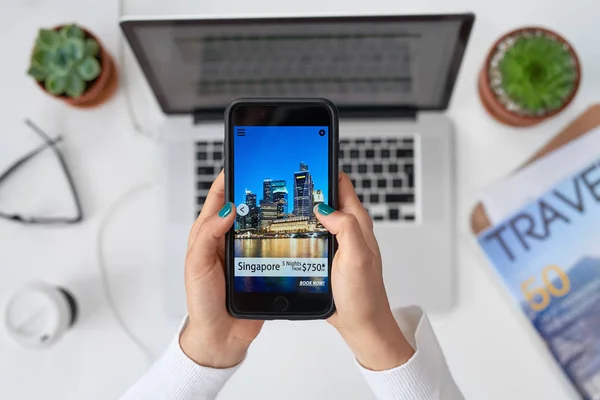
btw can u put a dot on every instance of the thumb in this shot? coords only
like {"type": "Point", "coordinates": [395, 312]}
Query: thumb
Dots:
{"type": "Point", "coordinates": [203, 250]}
{"type": "Point", "coordinates": [343, 225]}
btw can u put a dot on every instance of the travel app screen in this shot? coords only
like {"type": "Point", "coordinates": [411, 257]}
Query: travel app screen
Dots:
{"type": "Point", "coordinates": [280, 174]}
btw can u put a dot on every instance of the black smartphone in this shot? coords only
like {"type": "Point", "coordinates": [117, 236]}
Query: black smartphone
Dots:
{"type": "Point", "coordinates": [281, 161]}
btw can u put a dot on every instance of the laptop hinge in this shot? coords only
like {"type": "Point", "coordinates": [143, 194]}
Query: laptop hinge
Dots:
{"type": "Point", "coordinates": [359, 112]}
{"type": "Point", "coordinates": [207, 115]}
{"type": "Point", "coordinates": [378, 112]}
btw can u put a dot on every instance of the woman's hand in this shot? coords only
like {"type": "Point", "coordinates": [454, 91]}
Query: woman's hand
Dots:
{"type": "Point", "coordinates": [363, 317]}
{"type": "Point", "coordinates": [212, 338]}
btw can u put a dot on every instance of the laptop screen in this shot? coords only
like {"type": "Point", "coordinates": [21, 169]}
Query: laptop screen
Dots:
{"type": "Point", "coordinates": [353, 61]}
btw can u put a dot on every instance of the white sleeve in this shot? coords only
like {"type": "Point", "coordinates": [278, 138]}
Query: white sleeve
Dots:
{"type": "Point", "coordinates": [176, 377]}
{"type": "Point", "coordinates": [425, 376]}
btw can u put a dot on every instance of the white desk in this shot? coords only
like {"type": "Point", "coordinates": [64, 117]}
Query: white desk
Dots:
{"type": "Point", "coordinates": [96, 360]}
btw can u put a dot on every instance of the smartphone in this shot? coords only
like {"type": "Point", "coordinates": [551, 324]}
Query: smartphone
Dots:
{"type": "Point", "coordinates": [281, 161]}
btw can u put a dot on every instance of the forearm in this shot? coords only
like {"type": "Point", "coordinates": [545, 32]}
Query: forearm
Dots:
{"type": "Point", "coordinates": [177, 377]}
{"type": "Point", "coordinates": [425, 376]}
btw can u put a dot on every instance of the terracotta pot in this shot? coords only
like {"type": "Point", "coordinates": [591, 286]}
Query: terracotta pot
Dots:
{"type": "Point", "coordinates": [496, 109]}
{"type": "Point", "coordinates": [100, 89]}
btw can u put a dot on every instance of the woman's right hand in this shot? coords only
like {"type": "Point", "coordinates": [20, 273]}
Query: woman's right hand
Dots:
{"type": "Point", "coordinates": [363, 316]}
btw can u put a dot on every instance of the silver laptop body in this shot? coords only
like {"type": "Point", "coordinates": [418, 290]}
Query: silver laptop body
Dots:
{"type": "Point", "coordinates": [391, 78]}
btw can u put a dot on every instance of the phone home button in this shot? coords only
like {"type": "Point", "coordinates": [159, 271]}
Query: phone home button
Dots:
{"type": "Point", "coordinates": [281, 304]}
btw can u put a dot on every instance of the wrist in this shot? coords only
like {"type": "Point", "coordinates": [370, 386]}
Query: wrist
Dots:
{"type": "Point", "coordinates": [379, 346]}
{"type": "Point", "coordinates": [212, 353]}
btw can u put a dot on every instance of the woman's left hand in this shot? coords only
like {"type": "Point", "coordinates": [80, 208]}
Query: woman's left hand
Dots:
{"type": "Point", "coordinates": [212, 338]}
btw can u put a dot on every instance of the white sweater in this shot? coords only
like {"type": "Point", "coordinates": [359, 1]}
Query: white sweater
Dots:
{"type": "Point", "coordinates": [424, 377]}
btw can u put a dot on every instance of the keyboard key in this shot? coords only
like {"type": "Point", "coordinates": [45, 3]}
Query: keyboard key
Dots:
{"type": "Point", "coordinates": [342, 154]}
{"type": "Point", "coordinates": [218, 143]}
{"type": "Point", "coordinates": [347, 168]}
{"type": "Point", "coordinates": [374, 198]}
{"type": "Point", "coordinates": [378, 168]}
{"type": "Point", "coordinates": [392, 141]}
{"type": "Point", "coordinates": [201, 144]}
{"type": "Point", "coordinates": [370, 153]}
{"type": "Point", "coordinates": [404, 153]}
{"type": "Point", "coordinates": [394, 214]}
{"type": "Point", "coordinates": [359, 141]}
{"type": "Point", "coordinates": [366, 183]}
{"type": "Point", "coordinates": [353, 153]}
{"type": "Point", "coordinates": [362, 169]}
{"type": "Point", "coordinates": [397, 183]}
{"type": "Point", "coordinates": [217, 155]}
{"type": "Point", "coordinates": [410, 171]}
{"type": "Point", "coordinates": [381, 183]}
{"type": "Point", "coordinates": [203, 185]}
{"type": "Point", "coordinates": [399, 198]}
{"type": "Point", "coordinates": [361, 198]}
{"type": "Point", "coordinates": [206, 170]}
{"type": "Point", "coordinates": [408, 141]}
{"type": "Point", "coordinates": [377, 217]}
{"type": "Point", "coordinates": [201, 155]}
{"type": "Point", "coordinates": [385, 153]}
{"type": "Point", "coordinates": [393, 168]}
{"type": "Point", "coordinates": [375, 141]}
{"type": "Point", "coordinates": [409, 217]}
{"type": "Point", "coordinates": [200, 200]}
{"type": "Point", "coordinates": [353, 183]}
{"type": "Point", "coordinates": [344, 141]}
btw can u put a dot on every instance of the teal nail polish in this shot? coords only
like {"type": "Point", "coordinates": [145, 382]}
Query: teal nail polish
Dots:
{"type": "Point", "coordinates": [226, 210]}
{"type": "Point", "coordinates": [325, 209]}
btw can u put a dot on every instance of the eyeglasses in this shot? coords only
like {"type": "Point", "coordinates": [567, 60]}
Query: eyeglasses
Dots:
{"type": "Point", "coordinates": [51, 144]}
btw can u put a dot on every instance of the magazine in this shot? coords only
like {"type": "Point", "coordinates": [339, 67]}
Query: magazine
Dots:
{"type": "Point", "coordinates": [548, 256]}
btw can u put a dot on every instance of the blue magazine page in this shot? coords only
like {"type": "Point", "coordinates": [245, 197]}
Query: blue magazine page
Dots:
{"type": "Point", "coordinates": [548, 255]}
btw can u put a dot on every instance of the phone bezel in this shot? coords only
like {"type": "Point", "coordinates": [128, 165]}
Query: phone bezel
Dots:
{"type": "Point", "coordinates": [265, 112]}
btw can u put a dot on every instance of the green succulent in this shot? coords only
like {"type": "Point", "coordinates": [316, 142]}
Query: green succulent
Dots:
{"type": "Point", "coordinates": [538, 73]}
{"type": "Point", "coordinates": [65, 60]}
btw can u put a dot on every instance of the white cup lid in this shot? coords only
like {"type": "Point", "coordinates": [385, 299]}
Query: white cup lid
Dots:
{"type": "Point", "coordinates": [38, 315]}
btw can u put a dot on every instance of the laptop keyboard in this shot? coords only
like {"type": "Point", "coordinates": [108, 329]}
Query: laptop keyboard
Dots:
{"type": "Point", "coordinates": [382, 170]}
{"type": "Point", "coordinates": [209, 162]}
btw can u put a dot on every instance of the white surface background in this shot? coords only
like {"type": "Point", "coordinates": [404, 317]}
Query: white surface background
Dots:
{"type": "Point", "coordinates": [490, 348]}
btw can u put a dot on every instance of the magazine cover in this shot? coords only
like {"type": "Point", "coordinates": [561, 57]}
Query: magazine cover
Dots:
{"type": "Point", "coordinates": [548, 255]}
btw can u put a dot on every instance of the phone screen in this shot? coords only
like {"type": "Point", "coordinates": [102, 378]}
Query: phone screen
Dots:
{"type": "Point", "coordinates": [280, 173]}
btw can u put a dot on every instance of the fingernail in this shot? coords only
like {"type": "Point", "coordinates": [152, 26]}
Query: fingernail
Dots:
{"type": "Point", "coordinates": [324, 209]}
{"type": "Point", "coordinates": [226, 210]}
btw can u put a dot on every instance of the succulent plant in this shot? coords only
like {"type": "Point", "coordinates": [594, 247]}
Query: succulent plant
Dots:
{"type": "Point", "coordinates": [538, 73]}
{"type": "Point", "coordinates": [65, 60]}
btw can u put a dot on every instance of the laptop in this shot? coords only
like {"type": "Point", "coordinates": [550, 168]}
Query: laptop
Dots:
{"type": "Point", "coordinates": [391, 78]}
